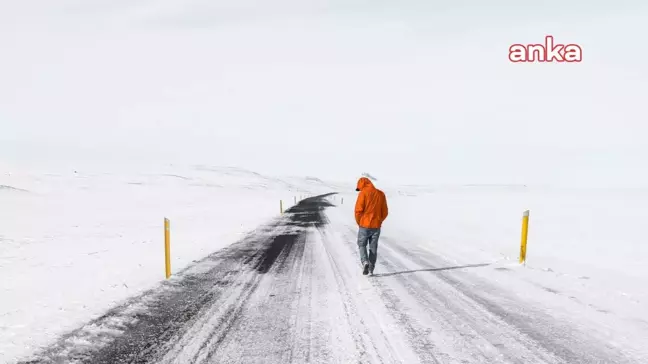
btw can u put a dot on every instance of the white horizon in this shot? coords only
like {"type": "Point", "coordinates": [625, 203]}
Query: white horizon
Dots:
{"type": "Point", "coordinates": [410, 92]}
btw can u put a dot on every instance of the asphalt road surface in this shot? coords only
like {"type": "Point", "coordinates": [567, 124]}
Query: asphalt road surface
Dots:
{"type": "Point", "coordinates": [293, 292]}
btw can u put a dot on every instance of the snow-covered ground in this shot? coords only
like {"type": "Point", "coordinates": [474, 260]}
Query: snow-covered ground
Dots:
{"type": "Point", "coordinates": [585, 247]}
{"type": "Point", "coordinates": [293, 292]}
{"type": "Point", "coordinates": [74, 243]}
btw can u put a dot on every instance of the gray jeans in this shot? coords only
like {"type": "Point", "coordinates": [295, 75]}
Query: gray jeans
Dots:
{"type": "Point", "coordinates": [368, 238]}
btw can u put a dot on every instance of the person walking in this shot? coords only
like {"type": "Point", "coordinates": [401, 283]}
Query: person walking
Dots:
{"type": "Point", "coordinates": [370, 212]}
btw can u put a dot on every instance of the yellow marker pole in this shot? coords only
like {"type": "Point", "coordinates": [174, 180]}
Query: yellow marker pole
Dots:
{"type": "Point", "coordinates": [525, 234]}
{"type": "Point", "coordinates": [280, 206]}
{"type": "Point", "coordinates": [167, 247]}
{"type": "Point", "coordinates": [342, 201]}
{"type": "Point", "coordinates": [295, 200]}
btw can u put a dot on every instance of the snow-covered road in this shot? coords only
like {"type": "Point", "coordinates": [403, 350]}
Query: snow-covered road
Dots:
{"type": "Point", "coordinates": [293, 292]}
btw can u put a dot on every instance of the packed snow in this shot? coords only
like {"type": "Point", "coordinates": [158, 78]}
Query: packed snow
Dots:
{"type": "Point", "coordinates": [585, 254]}
{"type": "Point", "coordinates": [74, 243]}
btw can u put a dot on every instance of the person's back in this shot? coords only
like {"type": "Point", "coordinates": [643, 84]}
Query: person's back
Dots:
{"type": "Point", "coordinates": [370, 212]}
{"type": "Point", "coordinates": [371, 205]}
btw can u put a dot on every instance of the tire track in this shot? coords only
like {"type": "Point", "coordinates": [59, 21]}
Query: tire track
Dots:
{"type": "Point", "coordinates": [481, 322]}
{"type": "Point", "coordinates": [385, 335]}
{"type": "Point", "coordinates": [213, 292]}
{"type": "Point", "coordinates": [263, 330]}
{"type": "Point", "coordinates": [395, 299]}
{"type": "Point", "coordinates": [301, 321]}
{"type": "Point", "coordinates": [350, 309]}
{"type": "Point", "coordinates": [468, 324]}
{"type": "Point", "coordinates": [293, 292]}
{"type": "Point", "coordinates": [562, 341]}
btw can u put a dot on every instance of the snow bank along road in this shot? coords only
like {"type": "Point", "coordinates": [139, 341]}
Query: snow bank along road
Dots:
{"type": "Point", "coordinates": [292, 292]}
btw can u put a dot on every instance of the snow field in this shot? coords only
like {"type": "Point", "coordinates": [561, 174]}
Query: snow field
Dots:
{"type": "Point", "coordinates": [73, 245]}
{"type": "Point", "coordinates": [585, 256]}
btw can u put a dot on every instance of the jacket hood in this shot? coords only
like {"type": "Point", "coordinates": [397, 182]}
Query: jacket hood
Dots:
{"type": "Point", "coordinates": [363, 183]}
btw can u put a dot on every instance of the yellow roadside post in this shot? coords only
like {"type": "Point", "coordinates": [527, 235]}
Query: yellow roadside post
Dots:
{"type": "Point", "coordinates": [281, 206]}
{"type": "Point", "coordinates": [525, 234]}
{"type": "Point", "coordinates": [167, 247]}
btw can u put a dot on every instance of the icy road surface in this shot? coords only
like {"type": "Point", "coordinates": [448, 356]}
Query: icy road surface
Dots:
{"type": "Point", "coordinates": [293, 292]}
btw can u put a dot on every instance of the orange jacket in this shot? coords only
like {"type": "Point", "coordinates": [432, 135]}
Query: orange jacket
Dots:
{"type": "Point", "coordinates": [371, 205]}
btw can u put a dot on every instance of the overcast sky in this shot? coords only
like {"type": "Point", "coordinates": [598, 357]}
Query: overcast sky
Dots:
{"type": "Point", "coordinates": [410, 91]}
